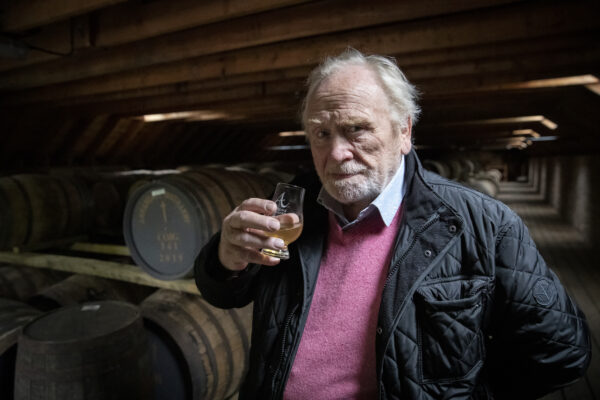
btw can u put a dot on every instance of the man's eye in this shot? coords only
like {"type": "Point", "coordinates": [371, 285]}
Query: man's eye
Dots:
{"type": "Point", "coordinates": [356, 128]}
{"type": "Point", "coordinates": [321, 134]}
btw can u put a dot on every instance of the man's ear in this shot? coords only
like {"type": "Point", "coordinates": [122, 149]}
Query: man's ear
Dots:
{"type": "Point", "coordinates": [406, 136]}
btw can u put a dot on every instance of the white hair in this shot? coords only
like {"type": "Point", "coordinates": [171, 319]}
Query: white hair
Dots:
{"type": "Point", "coordinates": [402, 95]}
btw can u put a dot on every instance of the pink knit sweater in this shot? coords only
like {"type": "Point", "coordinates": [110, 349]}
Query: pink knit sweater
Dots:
{"type": "Point", "coordinates": [336, 357]}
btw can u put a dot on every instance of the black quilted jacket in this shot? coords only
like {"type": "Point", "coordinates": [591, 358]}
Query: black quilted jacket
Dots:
{"type": "Point", "coordinates": [469, 308]}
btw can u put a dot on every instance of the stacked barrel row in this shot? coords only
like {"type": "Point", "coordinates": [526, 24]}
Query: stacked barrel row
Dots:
{"type": "Point", "coordinates": [43, 209]}
{"type": "Point", "coordinates": [468, 172]}
{"type": "Point", "coordinates": [195, 350]}
{"type": "Point", "coordinates": [39, 210]}
{"type": "Point", "coordinates": [81, 337]}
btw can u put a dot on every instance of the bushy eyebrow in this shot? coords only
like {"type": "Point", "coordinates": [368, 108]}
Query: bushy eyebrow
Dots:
{"type": "Point", "coordinates": [346, 121]}
{"type": "Point", "coordinates": [354, 121]}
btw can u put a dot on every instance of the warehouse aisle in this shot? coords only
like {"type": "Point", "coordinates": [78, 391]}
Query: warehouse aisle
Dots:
{"type": "Point", "coordinates": [565, 251]}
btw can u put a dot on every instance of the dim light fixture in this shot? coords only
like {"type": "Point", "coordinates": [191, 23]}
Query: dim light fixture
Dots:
{"type": "Point", "coordinates": [549, 124]}
{"type": "Point", "coordinates": [544, 139]}
{"type": "Point", "coordinates": [595, 87]}
{"type": "Point", "coordinates": [197, 115]}
{"type": "Point", "coordinates": [292, 133]}
{"type": "Point", "coordinates": [291, 147]}
{"type": "Point", "coordinates": [509, 120]}
{"type": "Point", "coordinates": [212, 115]}
{"type": "Point", "coordinates": [529, 132]}
{"type": "Point", "coordinates": [550, 82]}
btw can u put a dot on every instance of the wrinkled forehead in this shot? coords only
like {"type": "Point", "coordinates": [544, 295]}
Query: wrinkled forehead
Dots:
{"type": "Point", "coordinates": [339, 117]}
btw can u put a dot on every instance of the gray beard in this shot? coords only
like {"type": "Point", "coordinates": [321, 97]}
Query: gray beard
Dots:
{"type": "Point", "coordinates": [353, 192]}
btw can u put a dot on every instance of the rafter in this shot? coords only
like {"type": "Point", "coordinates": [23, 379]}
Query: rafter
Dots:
{"type": "Point", "coordinates": [20, 15]}
{"type": "Point", "coordinates": [316, 19]}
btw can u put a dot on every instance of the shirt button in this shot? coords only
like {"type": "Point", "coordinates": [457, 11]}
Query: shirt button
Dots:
{"type": "Point", "coordinates": [379, 330]}
{"type": "Point", "coordinates": [428, 253]}
{"type": "Point", "coordinates": [452, 228]}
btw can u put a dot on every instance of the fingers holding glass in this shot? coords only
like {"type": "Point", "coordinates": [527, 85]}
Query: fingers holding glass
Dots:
{"type": "Point", "coordinates": [289, 200]}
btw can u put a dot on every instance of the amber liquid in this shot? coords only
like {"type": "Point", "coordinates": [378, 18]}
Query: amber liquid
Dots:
{"type": "Point", "coordinates": [287, 232]}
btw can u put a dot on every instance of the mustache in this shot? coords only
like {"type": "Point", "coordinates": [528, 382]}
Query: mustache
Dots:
{"type": "Point", "coordinates": [348, 168]}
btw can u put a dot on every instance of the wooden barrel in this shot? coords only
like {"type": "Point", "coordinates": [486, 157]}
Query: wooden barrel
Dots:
{"type": "Point", "coordinates": [469, 167]}
{"type": "Point", "coordinates": [19, 283]}
{"type": "Point", "coordinates": [97, 350]}
{"type": "Point", "coordinates": [495, 174]}
{"type": "Point", "coordinates": [438, 167]}
{"type": "Point", "coordinates": [13, 315]}
{"type": "Point", "coordinates": [484, 184]}
{"type": "Point", "coordinates": [207, 346]}
{"type": "Point", "coordinates": [167, 221]}
{"type": "Point", "coordinates": [83, 288]}
{"type": "Point", "coordinates": [109, 189]}
{"type": "Point", "coordinates": [41, 208]}
{"type": "Point", "coordinates": [456, 169]}
{"type": "Point", "coordinates": [110, 196]}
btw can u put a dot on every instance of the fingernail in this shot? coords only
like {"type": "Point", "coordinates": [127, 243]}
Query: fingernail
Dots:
{"type": "Point", "coordinates": [280, 244]}
{"type": "Point", "coordinates": [274, 225]}
{"type": "Point", "coordinates": [271, 207]}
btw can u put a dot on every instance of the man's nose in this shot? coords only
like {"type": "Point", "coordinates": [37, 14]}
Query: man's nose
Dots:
{"type": "Point", "coordinates": [341, 149]}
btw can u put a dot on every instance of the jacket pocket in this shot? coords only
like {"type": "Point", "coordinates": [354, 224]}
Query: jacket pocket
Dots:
{"type": "Point", "coordinates": [450, 318]}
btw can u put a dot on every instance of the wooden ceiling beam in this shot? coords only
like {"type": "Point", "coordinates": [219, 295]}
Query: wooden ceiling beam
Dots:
{"type": "Point", "coordinates": [18, 16]}
{"type": "Point", "coordinates": [531, 63]}
{"type": "Point", "coordinates": [127, 145]}
{"type": "Point", "coordinates": [510, 49]}
{"type": "Point", "coordinates": [432, 81]}
{"type": "Point", "coordinates": [165, 55]}
{"type": "Point", "coordinates": [488, 105]}
{"type": "Point", "coordinates": [497, 75]}
{"type": "Point", "coordinates": [55, 38]}
{"type": "Point", "coordinates": [105, 141]}
{"type": "Point", "coordinates": [96, 126]}
{"type": "Point", "coordinates": [292, 55]}
{"type": "Point", "coordinates": [132, 22]}
{"type": "Point", "coordinates": [188, 101]}
{"type": "Point", "coordinates": [58, 98]}
{"type": "Point", "coordinates": [465, 86]}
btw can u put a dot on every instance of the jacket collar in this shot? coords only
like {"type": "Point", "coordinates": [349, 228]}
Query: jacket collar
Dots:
{"type": "Point", "coordinates": [420, 202]}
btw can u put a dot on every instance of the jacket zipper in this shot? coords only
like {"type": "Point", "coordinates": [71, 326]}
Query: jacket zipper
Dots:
{"type": "Point", "coordinates": [288, 320]}
{"type": "Point", "coordinates": [423, 228]}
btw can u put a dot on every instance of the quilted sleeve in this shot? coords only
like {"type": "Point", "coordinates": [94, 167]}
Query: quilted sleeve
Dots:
{"type": "Point", "coordinates": [216, 284]}
{"type": "Point", "coordinates": [540, 338]}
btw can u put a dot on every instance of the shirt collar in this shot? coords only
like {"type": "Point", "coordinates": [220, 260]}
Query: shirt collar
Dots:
{"type": "Point", "coordinates": [386, 203]}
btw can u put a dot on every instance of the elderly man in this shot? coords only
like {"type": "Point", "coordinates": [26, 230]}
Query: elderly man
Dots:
{"type": "Point", "coordinates": [403, 284]}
